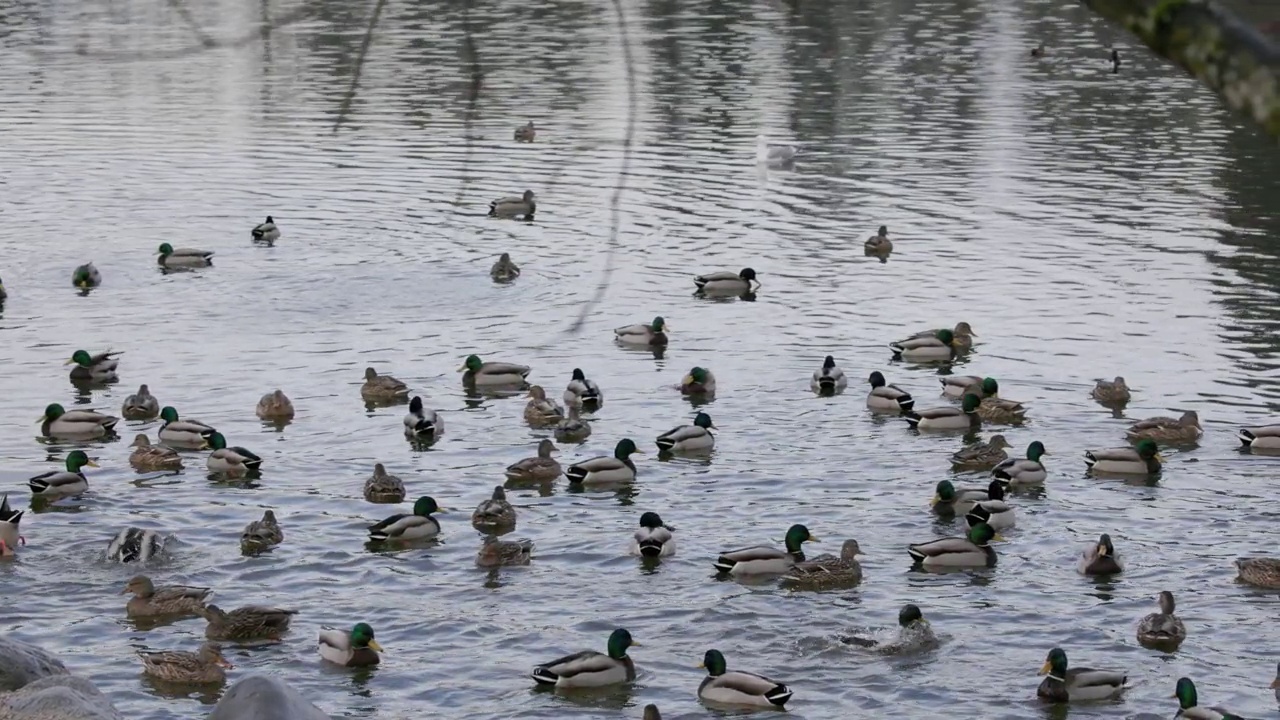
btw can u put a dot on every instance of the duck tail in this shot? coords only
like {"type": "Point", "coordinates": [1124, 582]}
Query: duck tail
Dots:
{"type": "Point", "coordinates": [665, 443]}
{"type": "Point", "coordinates": [650, 548]}
{"type": "Point", "coordinates": [1089, 459]}
{"type": "Point", "coordinates": [544, 676]}
{"type": "Point", "coordinates": [1246, 437]}
{"type": "Point", "coordinates": [916, 555]}
{"type": "Point", "coordinates": [37, 485]}
{"type": "Point", "coordinates": [575, 474]}
{"type": "Point", "coordinates": [906, 402]}
{"type": "Point", "coordinates": [779, 695]}
{"type": "Point", "coordinates": [724, 564]}
{"type": "Point", "coordinates": [912, 418]}
{"type": "Point", "coordinates": [896, 349]}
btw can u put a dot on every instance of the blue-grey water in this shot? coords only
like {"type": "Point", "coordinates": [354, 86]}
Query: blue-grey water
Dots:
{"type": "Point", "coordinates": [1087, 224]}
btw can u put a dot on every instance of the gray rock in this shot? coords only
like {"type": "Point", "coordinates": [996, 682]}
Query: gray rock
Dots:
{"type": "Point", "coordinates": [21, 663]}
{"type": "Point", "coordinates": [58, 697]}
{"type": "Point", "coordinates": [262, 697]}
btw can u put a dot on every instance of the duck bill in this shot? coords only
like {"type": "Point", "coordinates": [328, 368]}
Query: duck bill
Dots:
{"type": "Point", "coordinates": [935, 501]}
{"type": "Point", "coordinates": [702, 665]}
{"type": "Point", "coordinates": [997, 538]}
{"type": "Point", "coordinates": [462, 369]}
{"type": "Point", "coordinates": [92, 464]}
{"type": "Point", "coordinates": [373, 645]}
{"type": "Point", "coordinates": [812, 538]}
{"type": "Point", "coordinates": [1046, 668]}
{"type": "Point", "coordinates": [1159, 458]}
{"type": "Point", "coordinates": [1102, 550]}
{"type": "Point", "coordinates": [688, 380]}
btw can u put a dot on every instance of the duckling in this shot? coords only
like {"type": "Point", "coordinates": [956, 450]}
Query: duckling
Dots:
{"type": "Point", "coordinates": [134, 544]}
{"type": "Point", "coordinates": [1020, 472]}
{"type": "Point", "coordinates": [252, 622]}
{"type": "Point", "coordinates": [9, 519]}
{"type": "Point", "coordinates": [64, 482]}
{"type": "Point", "coordinates": [972, 550]}
{"type": "Point", "coordinates": [1163, 629]}
{"type": "Point", "coordinates": [590, 668]}
{"type": "Point", "coordinates": [941, 347]}
{"type": "Point", "coordinates": [1167, 429]}
{"type": "Point", "coordinates": [727, 283]}
{"type": "Point", "coordinates": [995, 409]}
{"type": "Point", "coordinates": [504, 270]}
{"type": "Point", "coordinates": [879, 243]}
{"type": "Point", "coordinates": [231, 461]}
{"type": "Point", "coordinates": [699, 381]}
{"type": "Point", "coordinates": [86, 276]}
{"type": "Point", "coordinates": [382, 487]}
{"type": "Point", "coordinates": [523, 206]}
{"type": "Point", "coordinates": [482, 374]}
{"type": "Point", "coordinates": [1185, 691]}
{"type": "Point", "coordinates": [1114, 392]}
{"type": "Point", "coordinates": [187, 668]}
{"type": "Point", "coordinates": [606, 470]}
{"type": "Point", "coordinates": [495, 513]}
{"type": "Point", "coordinates": [75, 424]}
{"type": "Point", "coordinates": [962, 333]}
{"type": "Point", "coordinates": [654, 538]}
{"type": "Point", "coordinates": [887, 398]}
{"type": "Point", "coordinates": [572, 428]}
{"type": "Point", "coordinates": [265, 232]}
{"type": "Point", "coordinates": [738, 687]}
{"type": "Point", "coordinates": [261, 534]}
{"type": "Point", "coordinates": [1077, 684]}
{"type": "Point", "coordinates": [100, 368]}
{"type": "Point", "coordinates": [141, 405]}
{"type": "Point", "coordinates": [350, 649]}
{"type": "Point", "coordinates": [422, 423]}
{"type": "Point", "coordinates": [418, 526]}
{"type": "Point", "coordinates": [947, 418]}
{"type": "Point", "coordinates": [526, 133]}
{"type": "Point", "coordinates": [982, 455]}
{"type": "Point", "coordinates": [275, 406]}
{"type": "Point", "coordinates": [183, 257]}
{"type": "Point", "coordinates": [542, 468]}
{"type": "Point", "coordinates": [1100, 559]}
{"type": "Point", "coordinates": [1263, 437]}
{"type": "Point", "coordinates": [1260, 572]}
{"type": "Point", "coordinates": [497, 553]}
{"type": "Point", "coordinates": [582, 391]}
{"type": "Point", "coordinates": [184, 433]}
{"type": "Point", "coordinates": [1144, 459]}
{"type": "Point", "coordinates": [689, 438]}
{"type": "Point", "coordinates": [765, 559]}
{"type": "Point", "coordinates": [653, 334]}
{"type": "Point", "coordinates": [957, 386]}
{"type": "Point", "coordinates": [166, 600]}
{"type": "Point", "coordinates": [149, 458]}
{"type": "Point", "coordinates": [828, 379]}
{"type": "Point", "coordinates": [382, 388]}
{"type": "Point", "coordinates": [827, 571]}
{"type": "Point", "coordinates": [540, 411]}
{"type": "Point", "coordinates": [993, 511]}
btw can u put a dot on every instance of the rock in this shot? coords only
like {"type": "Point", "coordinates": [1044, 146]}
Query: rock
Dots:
{"type": "Point", "coordinates": [21, 663]}
{"type": "Point", "coordinates": [262, 697]}
{"type": "Point", "coordinates": [58, 697]}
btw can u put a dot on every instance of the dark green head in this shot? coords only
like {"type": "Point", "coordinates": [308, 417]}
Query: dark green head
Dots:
{"type": "Point", "coordinates": [81, 358]}
{"type": "Point", "coordinates": [650, 520]}
{"type": "Point", "coordinates": [168, 414]}
{"type": "Point", "coordinates": [625, 448]}
{"type": "Point", "coordinates": [1185, 691]}
{"type": "Point", "coordinates": [944, 492]}
{"type": "Point", "coordinates": [217, 442]}
{"type": "Point", "coordinates": [1147, 449]}
{"type": "Point", "coordinates": [658, 324]}
{"type": "Point", "coordinates": [699, 375]}
{"type": "Point", "coordinates": [703, 420]}
{"type": "Point", "coordinates": [53, 411]}
{"type": "Point", "coordinates": [166, 249]}
{"type": "Point", "coordinates": [362, 636]}
{"type": "Point", "coordinates": [995, 490]}
{"type": "Point", "coordinates": [884, 230]}
{"type": "Point", "coordinates": [1035, 450]}
{"type": "Point", "coordinates": [619, 641]}
{"type": "Point", "coordinates": [472, 363]}
{"type": "Point", "coordinates": [828, 362]}
{"type": "Point", "coordinates": [990, 386]}
{"type": "Point", "coordinates": [981, 534]}
{"type": "Point", "coordinates": [82, 277]}
{"type": "Point", "coordinates": [909, 614]}
{"type": "Point", "coordinates": [971, 403]}
{"type": "Point", "coordinates": [76, 459]}
{"type": "Point", "coordinates": [946, 336]}
{"type": "Point", "coordinates": [714, 662]}
{"type": "Point", "coordinates": [877, 380]}
{"type": "Point", "coordinates": [796, 535]}
{"type": "Point", "coordinates": [1055, 664]}
{"type": "Point", "coordinates": [425, 506]}
{"type": "Point", "coordinates": [579, 375]}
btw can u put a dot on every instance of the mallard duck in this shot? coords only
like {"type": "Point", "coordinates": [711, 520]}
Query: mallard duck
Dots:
{"type": "Point", "coordinates": [699, 381]}
{"type": "Point", "coordinates": [350, 649]}
{"type": "Point", "coordinates": [689, 438]}
{"type": "Point", "coordinates": [1114, 392]}
{"type": "Point", "coordinates": [523, 206]}
{"type": "Point", "coordinates": [939, 347]}
{"type": "Point", "coordinates": [100, 368]}
{"type": "Point", "coordinates": [151, 601]}
{"type": "Point", "coordinates": [727, 282]}
{"type": "Point", "coordinates": [947, 418]}
{"type": "Point", "coordinates": [914, 634]}
{"type": "Point", "coordinates": [1162, 629]}
{"type": "Point", "coordinates": [541, 411]}
{"type": "Point", "coordinates": [480, 373]}
{"type": "Point", "coordinates": [995, 409]}
{"type": "Point", "coordinates": [887, 398]}
{"type": "Point", "coordinates": [1263, 437]}
{"type": "Point", "coordinates": [738, 687]}
{"type": "Point", "coordinates": [971, 550]}
{"type": "Point", "coordinates": [590, 668]}
{"type": "Point", "coordinates": [86, 276]}
{"type": "Point", "coordinates": [417, 526]}
{"type": "Point", "coordinates": [495, 513]}
{"type": "Point", "coordinates": [1260, 572]}
{"type": "Point", "coordinates": [1100, 559]}
{"type": "Point", "coordinates": [1144, 459]}
{"type": "Point", "coordinates": [982, 455]}
{"type": "Point", "coordinates": [767, 152]}
{"type": "Point", "coordinates": [572, 428]}
{"type": "Point", "coordinates": [949, 501]}
{"type": "Point", "coordinates": [504, 270]}
{"type": "Point", "coordinates": [134, 544]}
{"type": "Point", "coordinates": [9, 519]}
{"type": "Point", "coordinates": [64, 482]}
{"type": "Point", "coordinates": [957, 386]}
{"type": "Point", "coordinates": [654, 538]}
{"type": "Point", "coordinates": [1023, 472]}
{"type": "Point", "coordinates": [252, 622]}
{"type": "Point", "coordinates": [828, 378]}
{"type": "Point", "coordinates": [880, 242]}
{"type": "Point", "coordinates": [827, 571]}
{"type": "Point", "coordinates": [382, 388]}
{"type": "Point", "coordinates": [993, 511]}
{"type": "Point", "coordinates": [382, 487]}
{"type": "Point", "coordinates": [526, 133]}
{"type": "Point", "coordinates": [231, 461]}
{"type": "Point", "coordinates": [765, 559]}
{"type": "Point", "coordinates": [142, 405]}
{"type": "Point", "coordinates": [149, 458]}
{"type": "Point", "coordinates": [604, 469]}
{"type": "Point", "coordinates": [962, 335]}
{"type": "Point", "coordinates": [261, 534]}
{"type": "Point", "coordinates": [583, 392]}
{"type": "Point", "coordinates": [183, 257]}
{"type": "Point", "coordinates": [266, 231]}
{"type": "Point", "coordinates": [422, 423]}
{"type": "Point", "coordinates": [1077, 684]}
{"type": "Point", "coordinates": [653, 334]}
{"type": "Point", "coordinates": [1185, 691]}
{"type": "Point", "coordinates": [275, 406]}
{"type": "Point", "coordinates": [1167, 429]}
{"type": "Point", "coordinates": [187, 668]}
{"type": "Point", "coordinates": [542, 468]}
{"type": "Point", "coordinates": [75, 424]}
{"type": "Point", "coordinates": [496, 553]}
{"type": "Point", "coordinates": [185, 433]}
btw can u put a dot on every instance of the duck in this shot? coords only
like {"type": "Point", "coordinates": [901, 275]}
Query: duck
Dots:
{"type": "Point", "coordinates": [9, 520]}
{"type": "Point", "coordinates": [689, 438]}
{"type": "Point", "coordinates": [699, 381]}
{"type": "Point", "coordinates": [940, 347]}
{"type": "Point", "coordinates": [765, 559]}
{"type": "Point", "coordinates": [1023, 472]}
{"type": "Point", "coordinates": [382, 388]}
{"type": "Point", "coordinates": [416, 526]}
{"type": "Point", "coordinates": [1185, 691]}
{"type": "Point", "coordinates": [572, 428]}
{"type": "Point", "coordinates": [888, 398]}
{"type": "Point", "coordinates": [972, 550]}
{"type": "Point", "coordinates": [495, 513]}
{"type": "Point", "coordinates": [880, 242]}
{"type": "Point", "coordinates": [504, 270]}
{"type": "Point", "coordinates": [261, 534]}
{"type": "Point", "coordinates": [590, 668]}
{"type": "Point", "coordinates": [541, 468]}
{"type": "Point", "coordinates": [58, 422]}
{"type": "Point", "coordinates": [1163, 629]}
{"type": "Point", "coordinates": [827, 571]}
{"type": "Point", "coordinates": [498, 553]}
{"type": "Point", "coordinates": [1038, 51]}
{"type": "Point", "coordinates": [604, 469]}
{"type": "Point", "coordinates": [64, 482]}
{"type": "Point", "coordinates": [166, 600]}
{"type": "Point", "coordinates": [523, 206]}
{"type": "Point", "coordinates": [274, 406]}
{"type": "Point", "coordinates": [231, 461]}
{"type": "Point", "coordinates": [185, 433]}
{"type": "Point", "coordinates": [382, 487]}
{"type": "Point", "coordinates": [727, 282]}
{"type": "Point", "coordinates": [252, 622]}
{"type": "Point", "coordinates": [948, 501]}
{"type": "Point", "coordinates": [86, 276]}
{"type": "Point", "coordinates": [957, 386]}
{"type": "Point", "coordinates": [356, 648]}
{"type": "Point", "coordinates": [583, 392]}
{"type": "Point", "coordinates": [1077, 684]}
{"type": "Point", "coordinates": [1260, 572]}
{"type": "Point", "coordinates": [526, 133]}
{"type": "Point", "coordinates": [1262, 437]}
{"type": "Point", "coordinates": [480, 373]}
{"type": "Point", "coordinates": [266, 231]}
{"type": "Point", "coordinates": [1167, 429]}
{"type": "Point", "coordinates": [421, 423]}
{"type": "Point", "coordinates": [183, 257]}
{"type": "Point", "coordinates": [993, 511]}
{"type": "Point", "coordinates": [982, 455]}
{"type": "Point", "coordinates": [1144, 459]}
{"type": "Point", "coordinates": [652, 334]}
{"type": "Point", "coordinates": [149, 458]}
{"type": "Point", "coordinates": [654, 538]}
{"type": "Point", "coordinates": [829, 378]}
{"type": "Point", "coordinates": [1100, 558]}
{"type": "Point", "coordinates": [100, 368]}
{"type": "Point", "coordinates": [187, 668]}
{"type": "Point", "coordinates": [142, 405]}
{"type": "Point", "coordinates": [964, 417]}
{"type": "Point", "coordinates": [134, 544]}
{"type": "Point", "coordinates": [962, 335]}
{"type": "Point", "coordinates": [1113, 392]}
{"type": "Point", "coordinates": [1115, 61]}
{"type": "Point", "coordinates": [739, 687]}
{"type": "Point", "coordinates": [995, 409]}
{"type": "Point", "coordinates": [541, 411]}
